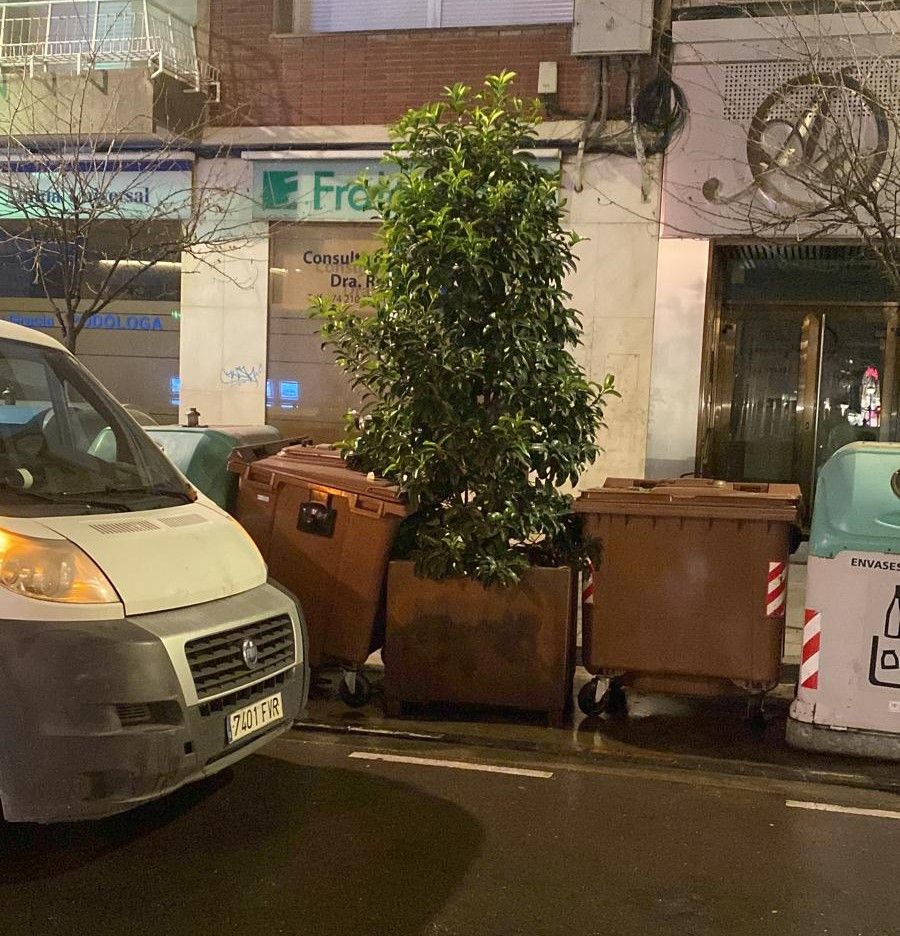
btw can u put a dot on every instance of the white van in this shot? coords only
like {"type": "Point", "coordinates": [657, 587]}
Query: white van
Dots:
{"type": "Point", "coordinates": [141, 646]}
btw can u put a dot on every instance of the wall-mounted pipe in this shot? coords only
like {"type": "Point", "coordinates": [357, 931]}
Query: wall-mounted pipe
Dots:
{"type": "Point", "coordinates": [600, 101]}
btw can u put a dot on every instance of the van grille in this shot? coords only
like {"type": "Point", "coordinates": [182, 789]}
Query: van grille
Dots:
{"type": "Point", "coordinates": [217, 660]}
{"type": "Point", "coordinates": [242, 696]}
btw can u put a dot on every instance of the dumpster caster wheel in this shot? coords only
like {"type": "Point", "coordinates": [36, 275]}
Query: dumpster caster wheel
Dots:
{"type": "Point", "coordinates": [616, 700]}
{"type": "Point", "coordinates": [355, 690]}
{"type": "Point", "coordinates": [757, 722]}
{"type": "Point", "coordinates": [588, 701]}
{"type": "Point", "coordinates": [756, 715]}
{"type": "Point", "coordinates": [612, 700]}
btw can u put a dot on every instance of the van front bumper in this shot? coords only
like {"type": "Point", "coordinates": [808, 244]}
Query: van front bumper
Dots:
{"type": "Point", "coordinates": [97, 718]}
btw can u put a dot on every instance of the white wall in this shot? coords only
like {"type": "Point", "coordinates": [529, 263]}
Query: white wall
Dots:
{"type": "Point", "coordinates": [224, 310]}
{"type": "Point", "coordinates": [186, 9]}
{"type": "Point", "coordinates": [614, 287]}
{"type": "Point", "coordinates": [677, 353]}
{"type": "Point", "coordinates": [224, 306]}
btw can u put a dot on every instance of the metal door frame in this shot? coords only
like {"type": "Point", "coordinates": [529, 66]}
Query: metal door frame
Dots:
{"type": "Point", "coordinates": [718, 376]}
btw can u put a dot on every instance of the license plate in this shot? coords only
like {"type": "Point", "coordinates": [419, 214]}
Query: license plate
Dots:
{"type": "Point", "coordinates": [251, 718]}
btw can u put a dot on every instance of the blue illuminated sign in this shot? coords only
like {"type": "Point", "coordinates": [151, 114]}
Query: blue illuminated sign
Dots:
{"type": "Point", "coordinates": [289, 393]}
{"type": "Point", "coordinates": [103, 321]}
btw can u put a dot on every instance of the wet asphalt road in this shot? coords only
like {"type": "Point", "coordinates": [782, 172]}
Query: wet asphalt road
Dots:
{"type": "Point", "coordinates": [308, 840]}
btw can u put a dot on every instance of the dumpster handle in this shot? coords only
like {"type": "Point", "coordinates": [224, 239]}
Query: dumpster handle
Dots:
{"type": "Point", "coordinates": [377, 513]}
{"type": "Point", "coordinates": [268, 483]}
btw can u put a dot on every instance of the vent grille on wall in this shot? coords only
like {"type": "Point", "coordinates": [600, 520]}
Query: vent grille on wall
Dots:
{"type": "Point", "coordinates": [812, 256]}
{"type": "Point", "coordinates": [748, 84]}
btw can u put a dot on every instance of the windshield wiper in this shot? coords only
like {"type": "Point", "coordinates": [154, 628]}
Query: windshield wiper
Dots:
{"type": "Point", "coordinates": [131, 498]}
{"type": "Point", "coordinates": [188, 497]}
{"type": "Point", "coordinates": [153, 491]}
{"type": "Point", "coordinates": [19, 491]}
{"type": "Point", "coordinates": [63, 499]}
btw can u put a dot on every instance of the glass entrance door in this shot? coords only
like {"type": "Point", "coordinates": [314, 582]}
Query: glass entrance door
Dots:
{"type": "Point", "coordinates": [858, 350]}
{"type": "Point", "coordinates": [792, 384]}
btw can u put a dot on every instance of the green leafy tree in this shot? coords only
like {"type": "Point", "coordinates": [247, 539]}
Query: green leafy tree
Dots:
{"type": "Point", "coordinates": [478, 409]}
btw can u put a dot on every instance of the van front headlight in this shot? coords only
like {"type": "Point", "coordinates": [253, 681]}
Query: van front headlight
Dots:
{"type": "Point", "coordinates": [51, 570]}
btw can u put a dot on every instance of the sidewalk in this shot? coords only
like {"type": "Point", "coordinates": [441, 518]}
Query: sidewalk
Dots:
{"type": "Point", "coordinates": [666, 732]}
{"type": "Point", "coordinates": [659, 731]}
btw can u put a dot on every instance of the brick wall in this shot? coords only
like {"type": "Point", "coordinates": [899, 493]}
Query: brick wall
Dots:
{"type": "Point", "coordinates": [372, 78]}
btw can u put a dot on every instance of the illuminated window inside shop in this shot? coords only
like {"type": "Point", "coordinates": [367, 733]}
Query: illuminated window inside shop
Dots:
{"type": "Point", "coordinates": [132, 342]}
{"type": "Point", "coordinates": [289, 393]}
{"type": "Point", "coordinates": [31, 272]}
{"type": "Point", "coordinates": [306, 393]}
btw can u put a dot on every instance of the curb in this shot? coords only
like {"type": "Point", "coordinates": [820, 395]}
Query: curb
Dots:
{"type": "Point", "coordinates": [683, 762]}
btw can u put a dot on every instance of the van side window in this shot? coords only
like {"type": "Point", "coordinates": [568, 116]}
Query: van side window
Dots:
{"type": "Point", "coordinates": [63, 437]}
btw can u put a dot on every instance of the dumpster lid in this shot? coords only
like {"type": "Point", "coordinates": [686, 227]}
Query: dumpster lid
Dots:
{"type": "Point", "coordinates": [857, 503]}
{"type": "Point", "coordinates": [696, 496]}
{"type": "Point", "coordinates": [244, 454]}
{"type": "Point", "coordinates": [236, 435]}
{"type": "Point", "coordinates": [326, 468]}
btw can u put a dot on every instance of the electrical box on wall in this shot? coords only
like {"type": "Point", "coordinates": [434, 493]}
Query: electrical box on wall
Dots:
{"type": "Point", "coordinates": [547, 78]}
{"type": "Point", "coordinates": [612, 27]}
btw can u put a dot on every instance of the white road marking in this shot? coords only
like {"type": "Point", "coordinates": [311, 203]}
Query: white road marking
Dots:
{"type": "Point", "coordinates": [456, 765]}
{"type": "Point", "coordinates": [850, 810]}
{"type": "Point", "coordinates": [360, 730]}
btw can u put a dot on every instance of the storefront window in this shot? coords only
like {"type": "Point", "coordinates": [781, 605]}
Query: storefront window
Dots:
{"type": "Point", "coordinates": [32, 271]}
{"type": "Point", "coordinates": [132, 344]}
{"type": "Point", "coordinates": [306, 393]}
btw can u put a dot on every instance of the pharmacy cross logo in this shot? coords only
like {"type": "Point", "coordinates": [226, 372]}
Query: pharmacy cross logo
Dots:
{"type": "Point", "coordinates": [811, 140]}
{"type": "Point", "coordinates": [279, 189]}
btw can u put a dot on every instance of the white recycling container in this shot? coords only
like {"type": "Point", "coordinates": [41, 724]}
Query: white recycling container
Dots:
{"type": "Point", "coordinates": [848, 692]}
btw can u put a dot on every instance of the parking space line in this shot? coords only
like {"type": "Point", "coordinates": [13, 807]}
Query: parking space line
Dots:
{"type": "Point", "coordinates": [850, 810]}
{"type": "Point", "coordinates": [455, 765]}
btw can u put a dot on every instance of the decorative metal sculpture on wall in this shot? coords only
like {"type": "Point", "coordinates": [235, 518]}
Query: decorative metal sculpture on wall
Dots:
{"type": "Point", "coordinates": [816, 138]}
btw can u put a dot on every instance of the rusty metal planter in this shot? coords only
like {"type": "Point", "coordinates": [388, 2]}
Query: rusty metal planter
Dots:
{"type": "Point", "coordinates": [457, 641]}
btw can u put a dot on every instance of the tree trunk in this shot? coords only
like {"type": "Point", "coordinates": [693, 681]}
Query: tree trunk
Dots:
{"type": "Point", "coordinates": [69, 334]}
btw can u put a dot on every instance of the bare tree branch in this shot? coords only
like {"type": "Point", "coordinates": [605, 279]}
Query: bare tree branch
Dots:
{"type": "Point", "coordinates": [823, 147]}
{"type": "Point", "coordinates": [70, 173]}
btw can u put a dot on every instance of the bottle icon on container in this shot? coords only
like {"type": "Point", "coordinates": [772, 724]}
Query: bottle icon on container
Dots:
{"type": "Point", "coordinates": [892, 616]}
{"type": "Point", "coordinates": [884, 665]}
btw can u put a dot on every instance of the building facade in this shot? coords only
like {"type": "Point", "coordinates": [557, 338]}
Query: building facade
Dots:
{"type": "Point", "coordinates": [95, 94]}
{"type": "Point", "coordinates": [775, 336]}
{"type": "Point", "coordinates": [310, 90]}
{"type": "Point", "coordinates": [747, 338]}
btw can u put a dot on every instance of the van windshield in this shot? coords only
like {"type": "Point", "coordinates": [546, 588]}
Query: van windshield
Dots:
{"type": "Point", "coordinates": [67, 447]}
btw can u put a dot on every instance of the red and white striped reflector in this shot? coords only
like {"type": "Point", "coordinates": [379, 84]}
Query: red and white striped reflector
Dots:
{"type": "Point", "coordinates": [809, 656]}
{"type": "Point", "coordinates": [776, 590]}
{"type": "Point", "coordinates": [587, 584]}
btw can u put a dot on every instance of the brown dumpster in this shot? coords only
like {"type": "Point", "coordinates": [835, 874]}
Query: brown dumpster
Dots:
{"type": "Point", "coordinates": [691, 590]}
{"type": "Point", "coordinates": [326, 532]}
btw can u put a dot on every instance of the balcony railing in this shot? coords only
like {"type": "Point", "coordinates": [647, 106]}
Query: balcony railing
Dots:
{"type": "Point", "coordinates": [86, 34]}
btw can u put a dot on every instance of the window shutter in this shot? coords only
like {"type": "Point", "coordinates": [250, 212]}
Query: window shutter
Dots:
{"type": "Point", "coordinates": [505, 12]}
{"type": "Point", "coordinates": [341, 16]}
{"type": "Point", "coordinates": [324, 16]}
